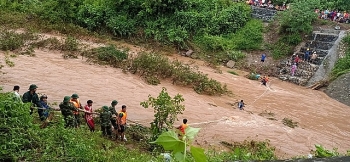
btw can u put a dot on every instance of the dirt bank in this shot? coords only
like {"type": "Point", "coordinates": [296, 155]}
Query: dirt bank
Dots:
{"type": "Point", "coordinates": [322, 120]}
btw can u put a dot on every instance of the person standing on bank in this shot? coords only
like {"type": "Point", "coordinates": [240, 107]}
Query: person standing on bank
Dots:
{"type": "Point", "coordinates": [88, 116]}
{"type": "Point", "coordinates": [32, 97]}
{"type": "Point", "coordinates": [263, 57]}
{"type": "Point", "coordinates": [114, 112]}
{"type": "Point", "coordinates": [122, 117]}
{"type": "Point", "coordinates": [16, 93]}
{"type": "Point", "coordinates": [105, 119]}
{"type": "Point", "coordinates": [75, 101]}
{"type": "Point", "coordinates": [67, 109]}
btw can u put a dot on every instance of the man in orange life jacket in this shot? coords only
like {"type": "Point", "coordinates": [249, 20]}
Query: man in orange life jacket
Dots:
{"type": "Point", "coordinates": [122, 123]}
{"type": "Point", "coordinates": [183, 126]}
{"type": "Point", "coordinates": [75, 101]}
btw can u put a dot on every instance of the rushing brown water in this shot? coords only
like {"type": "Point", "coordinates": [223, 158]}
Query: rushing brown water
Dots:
{"type": "Point", "coordinates": [321, 119]}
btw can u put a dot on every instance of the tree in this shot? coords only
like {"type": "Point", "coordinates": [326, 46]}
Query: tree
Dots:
{"type": "Point", "coordinates": [166, 110]}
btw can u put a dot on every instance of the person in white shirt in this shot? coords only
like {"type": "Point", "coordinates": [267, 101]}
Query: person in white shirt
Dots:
{"type": "Point", "coordinates": [16, 92]}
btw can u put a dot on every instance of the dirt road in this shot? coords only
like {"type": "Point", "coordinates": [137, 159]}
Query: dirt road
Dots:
{"type": "Point", "coordinates": [321, 119]}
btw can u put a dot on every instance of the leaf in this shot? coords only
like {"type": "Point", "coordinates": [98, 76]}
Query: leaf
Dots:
{"type": "Point", "coordinates": [170, 141]}
{"type": "Point", "coordinates": [179, 156]}
{"type": "Point", "coordinates": [191, 132]}
{"type": "Point", "coordinates": [198, 154]}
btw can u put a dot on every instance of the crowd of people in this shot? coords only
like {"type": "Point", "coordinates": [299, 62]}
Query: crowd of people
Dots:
{"type": "Point", "coordinates": [333, 15]}
{"type": "Point", "coordinates": [71, 109]}
{"type": "Point", "coordinates": [309, 57]}
{"type": "Point", "coordinates": [267, 4]}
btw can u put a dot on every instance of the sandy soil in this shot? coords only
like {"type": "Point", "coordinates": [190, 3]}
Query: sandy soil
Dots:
{"type": "Point", "coordinates": [322, 120]}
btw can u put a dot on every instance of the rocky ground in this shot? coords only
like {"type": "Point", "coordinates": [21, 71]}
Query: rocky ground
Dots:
{"type": "Point", "coordinates": [339, 89]}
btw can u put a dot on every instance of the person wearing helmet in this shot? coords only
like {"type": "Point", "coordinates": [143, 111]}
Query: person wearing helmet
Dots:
{"type": "Point", "coordinates": [75, 101]}
{"type": "Point", "coordinates": [114, 112]}
{"type": "Point", "coordinates": [105, 119]}
{"type": "Point", "coordinates": [31, 97]}
{"type": "Point", "coordinates": [44, 113]}
{"type": "Point", "coordinates": [88, 116]}
{"type": "Point", "coordinates": [306, 55]}
{"type": "Point", "coordinates": [67, 109]}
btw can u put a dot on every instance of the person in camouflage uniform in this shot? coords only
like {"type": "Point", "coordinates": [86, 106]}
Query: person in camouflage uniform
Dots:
{"type": "Point", "coordinates": [76, 103]}
{"type": "Point", "coordinates": [67, 109]}
{"type": "Point", "coordinates": [105, 118]}
{"type": "Point", "coordinates": [32, 97]}
{"type": "Point", "coordinates": [114, 112]}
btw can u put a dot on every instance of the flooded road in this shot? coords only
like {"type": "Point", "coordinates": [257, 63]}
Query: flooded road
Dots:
{"type": "Point", "coordinates": [321, 120]}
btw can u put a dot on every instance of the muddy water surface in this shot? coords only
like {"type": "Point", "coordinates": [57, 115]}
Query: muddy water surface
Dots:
{"type": "Point", "coordinates": [321, 119]}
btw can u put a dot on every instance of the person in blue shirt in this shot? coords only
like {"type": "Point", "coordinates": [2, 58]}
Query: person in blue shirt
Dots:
{"type": "Point", "coordinates": [44, 112]}
{"type": "Point", "coordinates": [263, 57]}
{"type": "Point", "coordinates": [307, 54]}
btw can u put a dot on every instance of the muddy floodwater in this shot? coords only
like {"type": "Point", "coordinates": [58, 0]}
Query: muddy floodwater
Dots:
{"type": "Point", "coordinates": [321, 120]}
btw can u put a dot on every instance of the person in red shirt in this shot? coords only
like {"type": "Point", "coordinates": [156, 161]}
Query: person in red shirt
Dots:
{"type": "Point", "coordinates": [88, 116]}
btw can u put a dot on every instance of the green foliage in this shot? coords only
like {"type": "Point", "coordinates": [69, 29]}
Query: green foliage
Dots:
{"type": "Point", "coordinates": [171, 142]}
{"type": "Point", "coordinates": [166, 110]}
{"type": "Point", "coordinates": [324, 153]}
{"type": "Point", "coordinates": [70, 44]}
{"type": "Point", "coordinates": [248, 150]}
{"type": "Point", "coordinates": [22, 140]}
{"type": "Point", "coordinates": [299, 18]}
{"type": "Point", "coordinates": [280, 49]}
{"type": "Point", "coordinates": [109, 55]}
{"type": "Point", "coordinates": [154, 67]}
{"type": "Point", "coordinates": [16, 136]}
{"type": "Point", "coordinates": [249, 37]}
{"type": "Point", "coordinates": [235, 55]}
{"type": "Point", "coordinates": [10, 40]}
{"type": "Point", "coordinates": [342, 66]}
{"type": "Point", "coordinates": [291, 39]}
{"type": "Point", "coordinates": [232, 72]}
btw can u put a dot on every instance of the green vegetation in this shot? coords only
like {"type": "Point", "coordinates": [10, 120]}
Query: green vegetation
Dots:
{"type": "Point", "coordinates": [294, 23]}
{"type": "Point", "coordinates": [166, 110]}
{"type": "Point", "coordinates": [250, 150]}
{"type": "Point", "coordinates": [153, 67]}
{"type": "Point", "coordinates": [342, 66]}
{"type": "Point", "coordinates": [178, 146]}
{"type": "Point", "coordinates": [232, 72]}
{"type": "Point", "coordinates": [22, 140]}
{"type": "Point", "coordinates": [289, 122]}
{"type": "Point", "coordinates": [321, 152]}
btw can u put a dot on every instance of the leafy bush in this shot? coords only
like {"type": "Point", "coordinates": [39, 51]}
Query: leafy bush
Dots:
{"type": "Point", "coordinates": [321, 152]}
{"type": "Point", "coordinates": [249, 37]}
{"type": "Point", "coordinates": [10, 40]}
{"type": "Point", "coordinates": [249, 150]}
{"type": "Point", "coordinates": [166, 109]}
{"type": "Point", "coordinates": [280, 49]}
{"type": "Point", "coordinates": [235, 55]}
{"type": "Point", "coordinates": [109, 55]}
{"type": "Point", "coordinates": [291, 39]}
{"type": "Point", "coordinates": [342, 66]}
{"type": "Point", "coordinates": [154, 67]}
{"type": "Point", "coordinates": [299, 18]}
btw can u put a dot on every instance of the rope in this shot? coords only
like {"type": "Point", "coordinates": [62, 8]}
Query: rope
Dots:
{"type": "Point", "coordinates": [226, 118]}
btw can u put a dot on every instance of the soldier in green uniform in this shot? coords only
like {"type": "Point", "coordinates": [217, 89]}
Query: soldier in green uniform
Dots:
{"type": "Point", "coordinates": [67, 109]}
{"type": "Point", "coordinates": [105, 118]}
{"type": "Point", "coordinates": [114, 112]}
{"type": "Point", "coordinates": [32, 97]}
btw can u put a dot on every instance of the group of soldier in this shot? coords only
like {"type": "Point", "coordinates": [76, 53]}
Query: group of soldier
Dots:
{"type": "Point", "coordinates": [71, 107]}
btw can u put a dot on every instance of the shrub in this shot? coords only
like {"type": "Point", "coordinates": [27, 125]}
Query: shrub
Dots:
{"type": "Point", "coordinates": [280, 49]}
{"type": "Point", "coordinates": [109, 55]}
{"type": "Point", "coordinates": [10, 40]}
{"type": "Point", "coordinates": [249, 37]}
